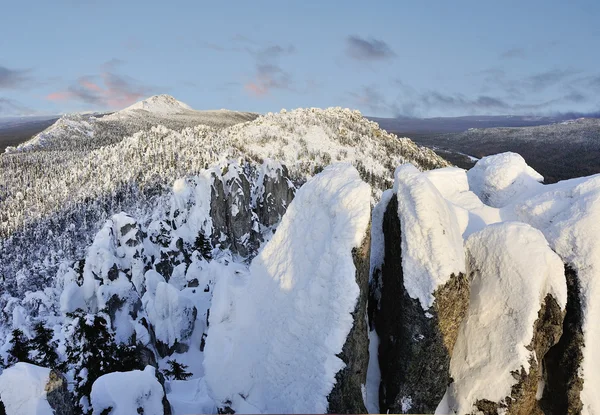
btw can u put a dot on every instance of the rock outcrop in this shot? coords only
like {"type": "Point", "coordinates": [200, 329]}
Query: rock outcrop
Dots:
{"type": "Point", "coordinates": [562, 363]}
{"type": "Point", "coordinates": [58, 395]}
{"type": "Point", "coordinates": [415, 345]}
{"type": "Point", "coordinates": [515, 316]}
{"type": "Point", "coordinates": [347, 396]}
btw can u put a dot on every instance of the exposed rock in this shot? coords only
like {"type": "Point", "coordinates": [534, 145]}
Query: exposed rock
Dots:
{"type": "Point", "coordinates": [218, 211]}
{"type": "Point", "coordinates": [415, 345]}
{"type": "Point", "coordinates": [278, 193]}
{"type": "Point", "coordinates": [58, 395]}
{"type": "Point", "coordinates": [240, 216]}
{"type": "Point", "coordinates": [562, 362]}
{"type": "Point", "coordinates": [346, 396]}
{"type": "Point", "coordinates": [523, 398]}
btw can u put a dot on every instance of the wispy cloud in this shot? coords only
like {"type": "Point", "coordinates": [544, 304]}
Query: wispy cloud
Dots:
{"type": "Point", "coordinates": [109, 89]}
{"type": "Point", "coordinates": [513, 53]}
{"type": "Point", "coordinates": [412, 102]}
{"type": "Point", "coordinates": [543, 80]}
{"type": "Point", "coordinates": [14, 78]}
{"type": "Point", "coordinates": [10, 107]}
{"type": "Point", "coordinates": [362, 49]}
{"type": "Point", "coordinates": [371, 99]}
{"type": "Point", "coordinates": [269, 74]}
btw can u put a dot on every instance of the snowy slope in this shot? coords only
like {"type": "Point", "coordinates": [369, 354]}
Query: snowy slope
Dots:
{"type": "Point", "coordinates": [284, 349]}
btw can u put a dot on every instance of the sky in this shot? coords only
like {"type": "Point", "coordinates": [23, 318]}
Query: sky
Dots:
{"type": "Point", "coordinates": [384, 58]}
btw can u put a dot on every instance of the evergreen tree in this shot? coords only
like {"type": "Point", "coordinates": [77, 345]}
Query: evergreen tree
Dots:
{"type": "Point", "coordinates": [177, 371]}
{"type": "Point", "coordinates": [20, 348]}
{"type": "Point", "coordinates": [44, 347]}
{"type": "Point", "coordinates": [203, 246]}
{"type": "Point", "coordinates": [2, 408]}
{"type": "Point", "coordinates": [91, 351]}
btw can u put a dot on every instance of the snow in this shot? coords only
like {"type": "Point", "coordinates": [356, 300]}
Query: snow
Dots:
{"type": "Point", "coordinates": [514, 271]}
{"type": "Point", "coordinates": [190, 397]}
{"type": "Point", "coordinates": [373, 375]}
{"type": "Point", "coordinates": [22, 390]}
{"type": "Point", "coordinates": [161, 104]}
{"type": "Point", "coordinates": [126, 392]}
{"type": "Point", "coordinates": [568, 213]}
{"type": "Point", "coordinates": [377, 239]}
{"type": "Point", "coordinates": [275, 331]}
{"type": "Point", "coordinates": [432, 245]}
{"type": "Point", "coordinates": [501, 178]}
{"type": "Point", "coordinates": [169, 312]}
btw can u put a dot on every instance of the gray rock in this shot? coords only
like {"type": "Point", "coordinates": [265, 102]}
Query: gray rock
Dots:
{"type": "Point", "coordinates": [57, 392]}
{"type": "Point", "coordinates": [346, 396]}
{"type": "Point", "coordinates": [523, 398]}
{"type": "Point", "coordinates": [239, 224]}
{"type": "Point", "coordinates": [278, 193]}
{"type": "Point", "coordinates": [218, 209]}
{"type": "Point", "coordinates": [562, 362]}
{"type": "Point", "coordinates": [415, 345]}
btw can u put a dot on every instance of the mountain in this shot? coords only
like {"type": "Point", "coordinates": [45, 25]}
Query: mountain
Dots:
{"type": "Point", "coordinates": [159, 104]}
{"type": "Point", "coordinates": [297, 262]}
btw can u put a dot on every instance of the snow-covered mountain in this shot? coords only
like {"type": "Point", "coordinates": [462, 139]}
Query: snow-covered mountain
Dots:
{"type": "Point", "coordinates": [300, 262]}
{"type": "Point", "coordinates": [159, 104]}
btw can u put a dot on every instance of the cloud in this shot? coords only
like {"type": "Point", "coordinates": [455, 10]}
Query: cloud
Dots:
{"type": "Point", "coordinates": [370, 98]}
{"type": "Point", "coordinates": [544, 80]}
{"type": "Point", "coordinates": [368, 49]}
{"type": "Point", "coordinates": [269, 75]}
{"type": "Point", "coordinates": [106, 90]}
{"type": "Point", "coordinates": [14, 78]}
{"type": "Point", "coordinates": [10, 107]}
{"type": "Point", "coordinates": [513, 53]}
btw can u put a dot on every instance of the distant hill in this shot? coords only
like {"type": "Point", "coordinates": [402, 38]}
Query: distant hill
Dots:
{"type": "Point", "coordinates": [407, 125]}
{"type": "Point", "coordinates": [558, 150]}
{"type": "Point", "coordinates": [15, 130]}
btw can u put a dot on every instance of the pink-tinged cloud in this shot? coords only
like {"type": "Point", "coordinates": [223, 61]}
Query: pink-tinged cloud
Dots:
{"type": "Point", "coordinates": [108, 90]}
{"type": "Point", "coordinates": [89, 85]}
{"type": "Point", "coordinates": [59, 96]}
{"type": "Point", "coordinates": [256, 89]}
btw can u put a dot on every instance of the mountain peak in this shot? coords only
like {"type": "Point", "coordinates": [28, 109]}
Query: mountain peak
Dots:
{"type": "Point", "coordinates": [163, 104]}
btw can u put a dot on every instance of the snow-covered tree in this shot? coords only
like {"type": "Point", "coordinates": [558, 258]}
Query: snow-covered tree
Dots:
{"type": "Point", "coordinates": [44, 347]}
{"type": "Point", "coordinates": [20, 348]}
{"type": "Point", "coordinates": [91, 351]}
{"type": "Point", "coordinates": [177, 371]}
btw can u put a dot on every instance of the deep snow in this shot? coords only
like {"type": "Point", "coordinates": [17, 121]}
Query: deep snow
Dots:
{"type": "Point", "coordinates": [279, 326]}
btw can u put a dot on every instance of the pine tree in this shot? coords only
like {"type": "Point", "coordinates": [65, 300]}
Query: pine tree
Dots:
{"type": "Point", "coordinates": [91, 351]}
{"type": "Point", "coordinates": [21, 346]}
{"type": "Point", "coordinates": [45, 348]}
{"type": "Point", "coordinates": [177, 371]}
{"type": "Point", "coordinates": [2, 408]}
{"type": "Point", "coordinates": [203, 246]}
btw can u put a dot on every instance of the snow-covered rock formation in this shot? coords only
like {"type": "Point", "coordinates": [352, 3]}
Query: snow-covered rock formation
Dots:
{"type": "Point", "coordinates": [304, 261]}
{"type": "Point", "coordinates": [283, 351]}
{"type": "Point", "coordinates": [125, 393]}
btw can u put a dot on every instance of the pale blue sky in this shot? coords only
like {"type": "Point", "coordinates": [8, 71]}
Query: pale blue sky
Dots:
{"type": "Point", "coordinates": [386, 58]}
